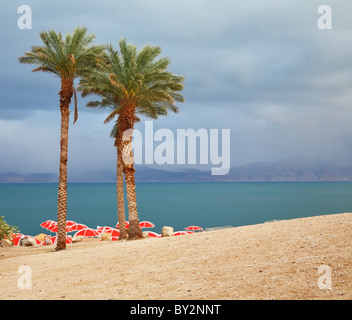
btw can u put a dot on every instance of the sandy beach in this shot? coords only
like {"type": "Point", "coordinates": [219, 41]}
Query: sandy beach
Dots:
{"type": "Point", "coordinates": [276, 260]}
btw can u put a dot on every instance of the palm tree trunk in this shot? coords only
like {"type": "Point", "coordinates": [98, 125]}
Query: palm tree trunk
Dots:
{"type": "Point", "coordinates": [65, 99]}
{"type": "Point", "coordinates": [126, 122]}
{"type": "Point", "coordinates": [134, 229]}
{"type": "Point", "coordinates": [120, 192]}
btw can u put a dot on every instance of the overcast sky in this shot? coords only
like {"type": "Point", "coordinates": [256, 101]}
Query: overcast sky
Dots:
{"type": "Point", "coordinates": [261, 68]}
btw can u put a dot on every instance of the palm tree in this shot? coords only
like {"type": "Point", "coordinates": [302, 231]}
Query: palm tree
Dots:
{"type": "Point", "coordinates": [132, 82]}
{"type": "Point", "coordinates": [68, 59]}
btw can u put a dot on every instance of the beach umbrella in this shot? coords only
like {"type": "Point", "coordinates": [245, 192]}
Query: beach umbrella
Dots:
{"type": "Point", "coordinates": [70, 223]}
{"type": "Point", "coordinates": [78, 226]}
{"type": "Point", "coordinates": [16, 235]}
{"type": "Point", "coordinates": [180, 233]}
{"type": "Point", "coordinates": [53, 224]}
{"type": "Point", "coordinates": [146, 224]}
{"type": "Point", "coordinates": [16, 239]}
{"type": "Point", "coordinates": [87, 233]}
{"type": "Point", "coordinates": [68, 240]}
{"type": "Point", "coordinates": [194, 228]}
{"type": "Point", "coordinates": [114, 238]}
{"type": "Point", "coordinates": [114, 232]}
{"type": "Point", "coordinates": [152, 234]}
{"type": "Point", "coordinates": [105, 229]}
{"type": "Point", "coordinates": [46, 223]}
{"type": "Point", "coordinates": [37, 241]}
{"type": "Point", "coordinates": [49, 225]}
{"type": "Point", "coordinates": [126, 224]}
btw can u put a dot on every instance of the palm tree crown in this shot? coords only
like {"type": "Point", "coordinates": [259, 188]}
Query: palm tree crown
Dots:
{"type": "Point", "coordinates": [66, 58]}
{"type": "Point", "coordinates": [133, 77]}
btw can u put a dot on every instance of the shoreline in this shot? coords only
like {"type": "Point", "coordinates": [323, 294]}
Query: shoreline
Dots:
{"type": "Point", "coordinates": [273, 260]}
{"type": "Point", "coordinates": [179, 181]}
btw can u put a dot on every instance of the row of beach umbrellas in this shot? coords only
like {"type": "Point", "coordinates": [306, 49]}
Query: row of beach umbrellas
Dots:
{"type": "Point", "coordinates": [84, 231]}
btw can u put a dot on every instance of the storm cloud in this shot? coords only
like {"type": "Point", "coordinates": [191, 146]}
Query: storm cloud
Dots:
{"type": "Point", "coordinates": [260, 68]}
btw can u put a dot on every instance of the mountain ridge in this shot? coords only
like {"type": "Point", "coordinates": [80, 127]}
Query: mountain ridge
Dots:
{"type": "Point", "coordinates": [286, 170]}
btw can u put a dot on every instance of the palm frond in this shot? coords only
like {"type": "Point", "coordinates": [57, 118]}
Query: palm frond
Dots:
{"type": "Point", "coordinates": [130, 76]}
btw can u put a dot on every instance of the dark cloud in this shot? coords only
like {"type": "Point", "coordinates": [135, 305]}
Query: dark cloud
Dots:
{"type": "Point", "coordinates": [262, 68]}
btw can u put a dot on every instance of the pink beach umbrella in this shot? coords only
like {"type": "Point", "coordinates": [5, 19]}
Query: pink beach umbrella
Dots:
{"type": "Point", "coordinates": [87, 233]}
{"type": "Point", "coordinates": [146, 224]}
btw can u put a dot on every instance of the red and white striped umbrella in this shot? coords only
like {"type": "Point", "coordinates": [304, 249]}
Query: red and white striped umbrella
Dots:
{"type": "Point", "coordinates": [87, 233]}
{"type": "Point", "coordinates": [146, 224]}
{"type": "Point", "coordinates": [180, 233]}
{"type": "Point", "coordinates": [152, 234]}
{"type": "Point", "coordinates": [193, 228]}
{"type": "Point", "coordinates": [70, 223]}
{"type": "Point", "coordinates": [114, 232]}
{"type": "Point", "coordinates": [78, 226]}
{"type": "Point", "coordinates": [104, 229]}
{"type": "Point", "coordinates": [17, 238]}
{"type": "Point", "coordinates": [47, 223]}
{"type": "Point", "coordinates": [37, 241]}
{"type": "Point", "coordinates": [68, 240]}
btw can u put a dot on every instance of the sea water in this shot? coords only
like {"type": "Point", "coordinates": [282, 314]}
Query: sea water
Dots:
{"type": "Point", "coordinates": [179, 205]}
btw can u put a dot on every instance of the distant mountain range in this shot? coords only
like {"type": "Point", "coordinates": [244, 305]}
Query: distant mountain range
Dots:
{"type": "Point", "coordinates": [287, 170]}
{"type": "Point", "coordinates": [30, 177]}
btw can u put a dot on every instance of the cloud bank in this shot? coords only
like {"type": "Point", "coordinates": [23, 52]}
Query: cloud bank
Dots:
{"type": "Point", "coordinates": [260, 68]}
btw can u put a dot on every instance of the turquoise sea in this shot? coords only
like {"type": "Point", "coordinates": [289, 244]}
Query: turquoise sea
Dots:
{"type": "Point", "coordinates": [26, 205]}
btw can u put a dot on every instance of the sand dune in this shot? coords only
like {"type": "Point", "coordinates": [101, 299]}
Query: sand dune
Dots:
{"type": "Point", "coordinates": [276, 260]}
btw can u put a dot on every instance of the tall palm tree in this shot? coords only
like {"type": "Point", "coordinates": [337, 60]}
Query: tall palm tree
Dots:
{"type": "Point", "coordinates": [133, 82]}
{"type": "Point", "coordinates": [68, 59]}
